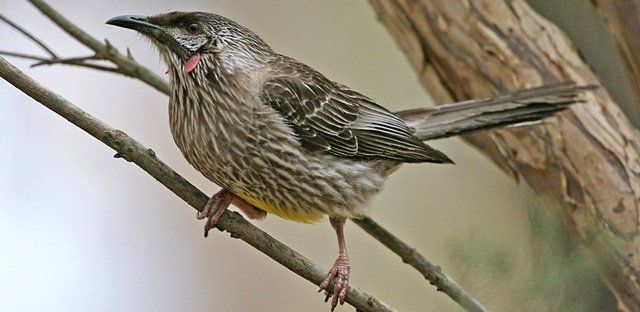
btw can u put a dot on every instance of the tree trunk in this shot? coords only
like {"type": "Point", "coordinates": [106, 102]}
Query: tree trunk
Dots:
{"type": "Point", "coordinates": [585, 161]}
{"type": "Point", "coordinates": [623, 20]}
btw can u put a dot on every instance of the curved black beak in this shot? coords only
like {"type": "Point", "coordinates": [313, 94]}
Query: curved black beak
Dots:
{"type": "Point", "coordinates": [135, 22]}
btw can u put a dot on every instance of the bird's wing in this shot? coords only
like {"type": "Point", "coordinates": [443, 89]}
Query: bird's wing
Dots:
{"type": "Point", "coordinates": [330, 117]}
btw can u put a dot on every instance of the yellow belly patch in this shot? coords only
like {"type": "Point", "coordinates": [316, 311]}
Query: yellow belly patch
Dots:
{"type": "Point", "coordinates": [301, 217]}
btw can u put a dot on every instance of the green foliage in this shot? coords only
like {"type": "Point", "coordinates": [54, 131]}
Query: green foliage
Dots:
{"type": "Point", "coordinates": [542, 272]}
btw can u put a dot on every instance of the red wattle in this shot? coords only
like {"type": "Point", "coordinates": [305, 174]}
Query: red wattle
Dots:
{"type": "Point", "coordinates": [191, 63]}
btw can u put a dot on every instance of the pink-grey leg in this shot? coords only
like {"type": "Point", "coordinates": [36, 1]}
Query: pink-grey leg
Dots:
{"type": "Point", "coordinates": [340, 270]}
{"type": "Point", "coordinates": [248, 209]}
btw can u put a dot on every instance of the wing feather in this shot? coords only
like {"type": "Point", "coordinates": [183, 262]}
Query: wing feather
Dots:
{"type": "Point", "coordinates": [331, 117]}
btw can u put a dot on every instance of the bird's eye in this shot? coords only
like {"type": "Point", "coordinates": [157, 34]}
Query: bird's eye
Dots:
{"type": "Point", "coordinates": [193, 28]}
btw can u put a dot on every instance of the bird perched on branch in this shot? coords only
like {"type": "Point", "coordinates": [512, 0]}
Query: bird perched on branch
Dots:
{"type": "Point", "coordinates": [281, 138]}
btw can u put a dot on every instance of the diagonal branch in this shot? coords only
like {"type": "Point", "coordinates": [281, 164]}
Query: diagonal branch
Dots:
{"type": "Point", "coordinates": [126, 66]}
{"type": "Point", "coordinates": [430, 271]}
{"type": "Point", "coordinates": [146, 159]}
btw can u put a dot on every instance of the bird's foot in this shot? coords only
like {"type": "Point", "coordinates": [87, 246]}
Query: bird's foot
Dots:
{"type": "Point", "coordinates": [214, 208]}
{"type": "Point", "coordinates": [340, 271]}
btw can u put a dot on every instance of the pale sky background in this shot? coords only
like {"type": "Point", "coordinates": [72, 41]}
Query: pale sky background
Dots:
{"type": "Point", "coordinates": [82, 231]}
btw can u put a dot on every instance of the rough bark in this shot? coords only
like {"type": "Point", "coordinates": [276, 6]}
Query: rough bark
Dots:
{"type": "Point", "coordinates": [585, 162]}
{"type": "Point", "coordinates": [623, 20]}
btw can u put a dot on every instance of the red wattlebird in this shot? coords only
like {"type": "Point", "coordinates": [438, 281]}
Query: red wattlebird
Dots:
{"type": "Point", "coordinates": [279, 137]}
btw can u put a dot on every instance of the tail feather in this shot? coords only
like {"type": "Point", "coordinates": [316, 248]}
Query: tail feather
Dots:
{"type": "Point", "coordinates": [508, 109]}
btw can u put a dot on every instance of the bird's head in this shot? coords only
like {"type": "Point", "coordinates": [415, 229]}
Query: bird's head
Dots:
{"type": "Point", "coordinates": [189, 39]}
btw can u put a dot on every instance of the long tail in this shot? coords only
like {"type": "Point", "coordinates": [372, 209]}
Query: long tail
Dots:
{"type": "Point", "coordinates": [503, 110]}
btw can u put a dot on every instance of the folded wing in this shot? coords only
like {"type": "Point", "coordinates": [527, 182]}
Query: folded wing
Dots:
{"type": "Point", "coordinates": [332, 118]}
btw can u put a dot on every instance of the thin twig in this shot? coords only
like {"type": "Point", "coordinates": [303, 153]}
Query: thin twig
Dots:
{"type": "Point", "coordinates": [54, 58]}
{"type": "Point", "coordinates": [82, 62]}
{"type": "Point", "coordinates": [412, 257]}
{"type": "Point", "coordinates": [29, 35]}
{"type": "Point", "coordinates": [127, 65]}
{"type": "Point", "coordinates": [70, 61]}
{"type": "Point", "coordinates": [23, 56]}
{"type": "Point", "coordinates": [146, 159]}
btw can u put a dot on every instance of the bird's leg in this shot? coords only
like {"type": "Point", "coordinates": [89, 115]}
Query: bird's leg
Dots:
{"type": "Point", "coordinates": [214, 208]}
{"type": "Point", "coordinates": [219, 202]}
{"type": "Point", "coordinates": [248, 209]}
{"type": "Point", "coordinates": [341, 268]}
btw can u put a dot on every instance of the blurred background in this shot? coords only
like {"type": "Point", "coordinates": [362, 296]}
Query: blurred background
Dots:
{"type": "Point", "coordinates": [82, 231]}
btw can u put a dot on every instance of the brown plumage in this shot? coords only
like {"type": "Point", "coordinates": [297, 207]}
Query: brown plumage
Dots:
{"type": "Point", "coordinates": [280, 137]}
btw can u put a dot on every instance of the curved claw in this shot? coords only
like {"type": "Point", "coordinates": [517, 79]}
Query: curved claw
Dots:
{"type": "Point", "coordinates": [214, 208]}
{"type": "Point", "coordinates": [340, 272]}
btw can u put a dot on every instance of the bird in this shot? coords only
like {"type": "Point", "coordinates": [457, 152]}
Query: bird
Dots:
{"type": "Point", "coordinates": [281, 138]}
